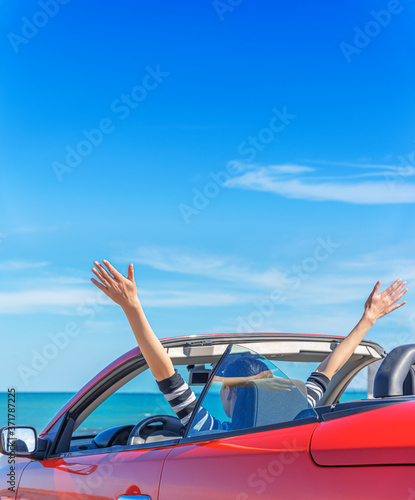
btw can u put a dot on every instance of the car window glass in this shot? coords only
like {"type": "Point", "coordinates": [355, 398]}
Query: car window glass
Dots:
{"type": "Point", "coordinates": [357, 388]}
{"type": "Point", "coordinates": [137, 399]}
{"type": "Point", "coordinates": [249, 391]}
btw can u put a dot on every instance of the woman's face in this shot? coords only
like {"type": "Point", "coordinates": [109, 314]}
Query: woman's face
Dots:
{"type": "Point", "coordinates": [228, 398]}
{"type": "Point", "coordinates": [224, 400]}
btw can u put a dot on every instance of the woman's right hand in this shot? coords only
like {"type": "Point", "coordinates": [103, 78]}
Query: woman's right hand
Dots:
{"type": "Point", "coordinates": [122, 290]}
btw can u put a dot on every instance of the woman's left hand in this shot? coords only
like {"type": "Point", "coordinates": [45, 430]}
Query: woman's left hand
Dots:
{"type": "Point", "coordinates": [380, 304]}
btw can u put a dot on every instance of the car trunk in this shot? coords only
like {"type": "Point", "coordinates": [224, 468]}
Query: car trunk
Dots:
{"type": "Point", "coordinates": [382, 435]}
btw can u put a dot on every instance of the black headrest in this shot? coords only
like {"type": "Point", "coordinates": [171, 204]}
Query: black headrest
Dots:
{"type": "Point", "coordinates": [395, 376]}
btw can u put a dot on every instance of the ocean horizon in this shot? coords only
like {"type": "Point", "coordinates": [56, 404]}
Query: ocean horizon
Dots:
{"type": "Point", "coordinates": [36, 409]}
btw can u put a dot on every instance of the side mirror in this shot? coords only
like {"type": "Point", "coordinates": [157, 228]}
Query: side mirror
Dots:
{"type": "Point", "coordinates": [18, 440]}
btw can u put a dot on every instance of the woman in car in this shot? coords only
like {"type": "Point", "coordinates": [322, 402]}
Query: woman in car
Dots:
{"type": "Point", "coordinates": [123, 291]}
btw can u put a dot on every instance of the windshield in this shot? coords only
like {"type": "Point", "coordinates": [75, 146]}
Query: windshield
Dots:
{"type": "Point", "coordinates": [249, 391]}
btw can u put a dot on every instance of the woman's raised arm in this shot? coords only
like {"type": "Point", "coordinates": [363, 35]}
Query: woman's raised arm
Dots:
{"type": "Point", "coordinates": [376, 306]}
{"type": "Point", "coordinates": [123, 291]}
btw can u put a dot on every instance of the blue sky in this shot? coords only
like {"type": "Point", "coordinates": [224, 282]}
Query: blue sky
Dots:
{"type": "Point", "coordinates": [243, 157]}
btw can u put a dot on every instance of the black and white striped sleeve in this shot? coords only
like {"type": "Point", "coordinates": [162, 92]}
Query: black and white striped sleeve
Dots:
{"type": "Point", "coordinates": [181, 398]}
{"type": "Point", "coordinates": [316, 385]}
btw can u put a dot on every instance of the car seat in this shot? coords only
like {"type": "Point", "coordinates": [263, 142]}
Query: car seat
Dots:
{"type": "Point", "coordinates": [260, 404]}
{"type": "Point", "coordinates": [396, 374]}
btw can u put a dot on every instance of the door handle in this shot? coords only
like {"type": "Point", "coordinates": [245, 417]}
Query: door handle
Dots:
{"type": "Point", "coordinates": [134, 497]}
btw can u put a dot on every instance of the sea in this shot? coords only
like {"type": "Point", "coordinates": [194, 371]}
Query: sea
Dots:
{"type": "Point", "coordinates": [36, 409]}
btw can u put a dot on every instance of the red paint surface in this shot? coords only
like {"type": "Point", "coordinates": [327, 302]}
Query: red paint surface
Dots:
{"type": "Point", "coordinates": [275, 465]}
{"type": "Point", "coordinates": [380, 436]}
{"type": "Point", "coordinates": [94, 477]}
{"type": "Point", "coordinates": [313, 461]}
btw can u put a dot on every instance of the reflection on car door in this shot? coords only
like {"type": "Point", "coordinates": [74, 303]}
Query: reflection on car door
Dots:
{"type": "Point", "coordinates": [261, 455]}
{"type": "Point", "coordinates": [262, 465]}
{"type": "Point", "coordinates": [274, 462]}
{"type": "Point", "coordinates": [96, 476]}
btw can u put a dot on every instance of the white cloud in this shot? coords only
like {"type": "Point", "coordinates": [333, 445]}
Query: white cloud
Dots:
{"type": "Point", "coordinates": [20, 265]}
{"type": "Point", "coordinates": [74, 301]}
{"type": "Point", "coordinates": [190, 298]}
{"type": "Point", "coordinates": [393, 262]}
{"type": "Point", "coordinates": [219, 281]}
{"type": "Point", "coordinates": [61, 281]}
{"type": "Point", "coordinates": [375, 166]}
{"type": "Point", "coordinates": [321, 296]}
{"type": "Point", "coordinates": [219, 268]}
{"type": "Point", "coordinates": [290, 169]}
{"type": "Point", "coordinates": [243, 284]}
{"type": "Point", "coordinates": [55, 300]}
{"type": "Point", "coordinates": [395, 185]}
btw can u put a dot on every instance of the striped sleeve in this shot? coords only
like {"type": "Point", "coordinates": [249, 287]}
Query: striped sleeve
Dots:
{"type": "Point", "coordinates": [181, 398]}
{"type": "Point", "coordinates": [183, 401]}
{"type": "Point", "coordinates": [316, 385]}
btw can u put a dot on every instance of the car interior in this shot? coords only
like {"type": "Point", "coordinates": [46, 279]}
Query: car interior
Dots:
{"type": "Point", "coordinates": [393, 383]}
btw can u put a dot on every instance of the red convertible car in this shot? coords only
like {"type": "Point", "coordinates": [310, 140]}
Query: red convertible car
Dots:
{"type": "Point", "coordinates": [282, 448]}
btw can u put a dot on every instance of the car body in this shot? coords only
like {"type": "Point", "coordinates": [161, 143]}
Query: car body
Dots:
{"type": "Point", "coordinates": [362, 449]}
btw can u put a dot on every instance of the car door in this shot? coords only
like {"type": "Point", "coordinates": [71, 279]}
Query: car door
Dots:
{"type": "Point", "coordinates": [261, 457]}
{"type": "Point", "coordinates": [82, 465]}
{"type": "Point", "coordinates": [107, 475]}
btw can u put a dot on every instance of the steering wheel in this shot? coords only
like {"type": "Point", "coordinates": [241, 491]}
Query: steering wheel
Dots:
{"type": "Point", "coordinates": [171, 428]}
